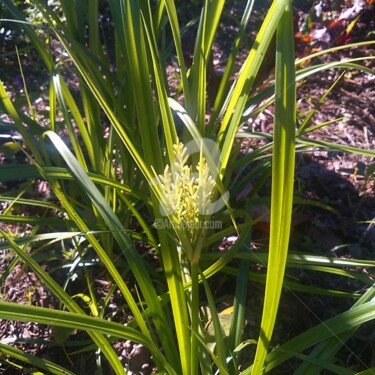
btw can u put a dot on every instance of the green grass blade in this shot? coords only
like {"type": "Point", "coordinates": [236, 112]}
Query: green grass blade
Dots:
{"type": "Point", "coordinates": [260, 278]}
{"type": "Point", "coordinates": [240, 296]}
{"type": "Point", "coordinates": [61, 295]}
{"type": "Point", "coordinates": [225, 81]}
{"type": "Point", "coordinates": [332, 328]}
{"type": "Point", "coordinates": [24, 171]}
{"type": "Point", "coordinates": [206, 31]}
{"type": "Point", "coordinates": [32, 220]}
{"type": "Point", "coordinates": [282, 182]}
{"type": "Point", "coordinates": [67, 101]}
{"type": "Point", "coordinates": [173, 21]}
{"type": "Point", "coordinates": [90, 324]}
{"type": "Point", "coordinates": [165, 110]}
{"type": "Point", "coordinates": [336, 147]}
{"type": "Point", "coordinates": [64, 109]}
{"type": "Point", "coordinates": [88, 69]}
{"type": "Point", "coordinates": [127, 18]}
{"type": "Point", "coordinates": [221, 352]}
{"type": "Point", "coordinates": [177, 296]}
{"type": "Point", "coordinates": [332, 262]}
{"type": "Point", "coordinates": [301, 129]}
{"type": "Point", "coordinates": [327, 349]}
{"type": "Point", "coordinates": [328, 329]}
{"type": "Point", "coordinates": [17, 118]}
{"type": "Point", "coordinates": [241, 87]}
{"type": "Point", "coordinates": [334, 49]}
{"type": "Point", "coordinates": [347, 64]}
{"type": "Point", "coordinates": [370, 371]}
{"type": "Point", "coordinates": [339, 370]}
{"type": "Point", "coordinates": [134, 259]}
{"type": "Point", "coordinates": [90, 236]}
{"type": "Point", "coordinates": [40, 363]}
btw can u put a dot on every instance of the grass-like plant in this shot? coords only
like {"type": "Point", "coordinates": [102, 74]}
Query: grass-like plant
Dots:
{"type": "Point", "coordinates": [138, 166]}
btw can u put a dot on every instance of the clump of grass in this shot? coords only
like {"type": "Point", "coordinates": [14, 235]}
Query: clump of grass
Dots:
{"type": "Point", "coordinates": [108, 186]}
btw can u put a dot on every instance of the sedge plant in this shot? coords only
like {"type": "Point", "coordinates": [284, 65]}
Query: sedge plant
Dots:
{"type": "Point", "coordinates": [124, 173]}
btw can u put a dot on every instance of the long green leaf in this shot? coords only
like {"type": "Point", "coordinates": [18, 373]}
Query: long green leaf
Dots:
{"type": "Point", "coordinates": [334, 49]}
{"type": "Point", "coordinates": [56, 289]}
{"type": "Point", "coordinates": [225, 81]}
{"type": "Point", "coordinates": [173, 21]}
{"type": "Point", "coordinates": [239, 92]}
{"type": "Point", "coordinates": [134, 259]}
{"type": "Point", "coordinates": [34, 361]}
{"type": "Point", "coordinates": [282, 182]}
{"type": "Point", "coordinates": [327, 349]}
{"type": "Point", "coordinates": [331, 328]}
{"type": "Point", "coordinates": [92, 325]}
{"type": "Point", "coordinates": [335, 146]}
{"type": "Point", "coordinates": [205, 35]}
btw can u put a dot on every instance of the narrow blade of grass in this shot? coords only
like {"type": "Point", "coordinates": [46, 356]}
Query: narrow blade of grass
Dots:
{"type": "Point", "coordinates": [92, 325]}
{"type": "Point", "coordinates": [206, 31]}
{"type": "Point", "coordinates": [327, 349]}
{"type": "Point", "coordinates": [127, 247]}
{"type": "Point", "coordinates": [40, 363]}
{"type": "Point", "coordinates": [241, 87]}
{"type": "Point", "coordinates": [336, 147]}
{"type": "Point", "coordinates": [225, 81]}
{"type": "Point", "coordinates": [51, 284]}
{"type": "Point", "coordinates": [330, 329]}
{"type": "Point", "coordinates": [282, 182]}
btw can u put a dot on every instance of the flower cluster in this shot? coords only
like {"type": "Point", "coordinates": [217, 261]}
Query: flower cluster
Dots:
{"type": "Point", "coordinates": [186, 194]}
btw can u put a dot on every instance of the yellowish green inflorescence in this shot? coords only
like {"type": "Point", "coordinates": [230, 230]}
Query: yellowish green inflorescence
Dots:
{"type": "Point", "coordinates": [186, 194]}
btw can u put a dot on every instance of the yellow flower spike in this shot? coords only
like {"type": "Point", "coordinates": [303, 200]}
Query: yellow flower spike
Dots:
{"type": "Point", "coordinates": [186, 194]}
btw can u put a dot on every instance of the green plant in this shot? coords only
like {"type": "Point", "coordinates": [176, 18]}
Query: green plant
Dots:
{"type": "Point", "coordinates": [110, 179]}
